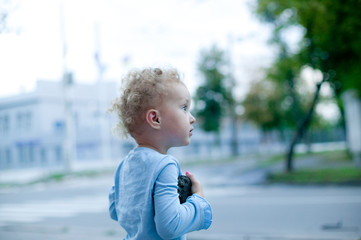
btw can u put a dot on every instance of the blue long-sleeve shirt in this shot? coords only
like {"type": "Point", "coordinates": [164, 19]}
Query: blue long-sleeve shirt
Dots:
{"type": "Point", "coordinates": [144, 198]}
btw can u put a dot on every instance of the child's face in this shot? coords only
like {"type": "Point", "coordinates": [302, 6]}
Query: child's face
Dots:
{"type": "Point", "coordinates": [177, 121]}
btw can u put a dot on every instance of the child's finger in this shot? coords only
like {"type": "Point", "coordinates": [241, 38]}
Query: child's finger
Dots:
{"type": "Point", "coordinates": [191, 177]}
{"type": "Point", "coordinates": [196, 185]}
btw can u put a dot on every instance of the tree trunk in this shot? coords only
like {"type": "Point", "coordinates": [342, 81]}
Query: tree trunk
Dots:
{"type": "Point", "coordinates": [302, 127]}
{"type": "Point", "coordinates": [234, 138]}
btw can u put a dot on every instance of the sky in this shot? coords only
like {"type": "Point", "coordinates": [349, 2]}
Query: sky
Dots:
{"type": "Point", "coordinates": [127, 34]}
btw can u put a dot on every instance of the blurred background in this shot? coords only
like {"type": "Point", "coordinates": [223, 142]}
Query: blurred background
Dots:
{"type": "Point", "coordinates": [276, 93]}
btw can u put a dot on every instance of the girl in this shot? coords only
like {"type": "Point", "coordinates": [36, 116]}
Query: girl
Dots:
{"type": "Point", "coordinates": [154, 110]}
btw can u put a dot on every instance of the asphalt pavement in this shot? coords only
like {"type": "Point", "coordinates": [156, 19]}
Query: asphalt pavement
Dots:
{"type": "Point", "coordinates": [244, 207]}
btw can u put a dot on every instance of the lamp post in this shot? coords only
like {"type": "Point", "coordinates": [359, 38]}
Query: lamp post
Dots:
{"type": "Point", "coordinates": [232, 105]}
{"type": "Point", "coordinates": [67, 82]}
{"type": "Point", "coordinates": [104, 130]}
{"type": "Point", "coordinates": [231, 40]}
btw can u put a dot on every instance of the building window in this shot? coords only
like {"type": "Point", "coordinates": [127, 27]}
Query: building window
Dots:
{"type": "Point", "coordinates": [22, 154]}
{"type": "Point", "coordinates": [43, 155]}
{"type": "Point", "coordinates": [4, 124]}
{"type": "Point", "coordinates": [24, 121]}
{"type": "Point", "coordinates": [28, 121]}
{"type": "Point", "coordinates": [58, 154]}
{"type": "Point", "coordinates": [19, 122]}
{"type": "Point", "coordinates": [31, 154]}
{"type": "Point", "coordinates": [2, 159]}
{"type": "Point", "coordinates": [8, 156]}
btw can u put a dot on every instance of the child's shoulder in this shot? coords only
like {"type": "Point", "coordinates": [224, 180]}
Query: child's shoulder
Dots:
{"type": "Point", "coordinates": [147, 163]}
{"type": "Point", "coordinates": [152, 157]}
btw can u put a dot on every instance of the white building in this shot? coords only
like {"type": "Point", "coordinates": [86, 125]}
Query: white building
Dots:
{"type": "Point", "coordinates": [32, 125]}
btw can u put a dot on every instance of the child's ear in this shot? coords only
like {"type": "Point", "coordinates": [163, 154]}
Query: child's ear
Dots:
{"type": "Point", "coordinates": [153, 118]}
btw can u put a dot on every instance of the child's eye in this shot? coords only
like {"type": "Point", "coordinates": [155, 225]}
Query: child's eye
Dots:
{"type": "Point", "coordinates": [185, 108]}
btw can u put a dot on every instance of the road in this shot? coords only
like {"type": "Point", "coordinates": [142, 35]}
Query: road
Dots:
{"type": "Point", "coordinates": [77, 209]}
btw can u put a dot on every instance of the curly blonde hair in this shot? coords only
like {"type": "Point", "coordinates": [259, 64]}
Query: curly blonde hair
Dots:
{"type": "Point", "coordinates": [142, 89]}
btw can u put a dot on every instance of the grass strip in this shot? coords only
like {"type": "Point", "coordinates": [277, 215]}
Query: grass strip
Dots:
{"type": "Point", "coordinates": [341, 175]}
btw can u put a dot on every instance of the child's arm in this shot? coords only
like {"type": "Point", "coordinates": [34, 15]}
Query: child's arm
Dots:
{"type": "Point", "coordinates": [112, 212]}
{"type": "Point", "coordinates": [173, 219]}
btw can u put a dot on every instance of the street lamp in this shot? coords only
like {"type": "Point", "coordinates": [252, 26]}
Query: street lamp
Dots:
{"type": "Point", "coordinates": [67, 82]}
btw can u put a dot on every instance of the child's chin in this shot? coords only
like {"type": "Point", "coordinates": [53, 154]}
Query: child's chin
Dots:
{"type": "Point", "coordinates": [182, 143]}
{"type": "Point", "coordinates": [185, 143]}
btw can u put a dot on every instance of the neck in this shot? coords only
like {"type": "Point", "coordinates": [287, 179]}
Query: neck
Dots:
{"type": "Point", "coordinates": [156, 148]}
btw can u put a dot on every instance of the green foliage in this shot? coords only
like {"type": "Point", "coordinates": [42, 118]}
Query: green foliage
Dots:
{"type": "Point", "coordinates": [332, 39]}
{"type": "Point", "coordinates": [331, 43]}
{"type": "Point", "coordinates": [277, 101]}
{"type": "Point", "coordinates": [259, 105]}
{"type": "Point", "coordinates": [212, 97]}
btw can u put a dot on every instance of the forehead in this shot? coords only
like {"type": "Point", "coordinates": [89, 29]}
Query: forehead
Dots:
{"type": "Point", "coordinates": [178, 92]}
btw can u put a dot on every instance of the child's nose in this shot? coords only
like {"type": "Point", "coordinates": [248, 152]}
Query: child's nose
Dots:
{"type": "Point", "coordinates": [193, 120]}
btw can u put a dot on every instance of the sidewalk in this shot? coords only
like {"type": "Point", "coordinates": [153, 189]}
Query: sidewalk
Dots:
{"type": "Point", "coordinates": [245, 170]}
{"type": "Point", "coordinates": [28, 175]}
{"type": "Point", "coordinates": [252, 170]}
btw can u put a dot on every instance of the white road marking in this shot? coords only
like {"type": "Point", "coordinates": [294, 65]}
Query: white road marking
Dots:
{"type": "Point", "coordinates": [36, 211]}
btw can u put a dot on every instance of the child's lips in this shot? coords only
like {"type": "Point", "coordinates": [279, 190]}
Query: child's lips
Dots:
{"type": "Point", "coordinates": [190, 132]}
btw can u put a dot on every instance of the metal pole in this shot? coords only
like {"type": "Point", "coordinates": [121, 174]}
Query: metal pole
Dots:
{"type": "Point", "coordinates": [67, 81]}
{"type": "Point", "coordinates": [233, 115]}
{"type": "Point", "coordinates": [101, 108]}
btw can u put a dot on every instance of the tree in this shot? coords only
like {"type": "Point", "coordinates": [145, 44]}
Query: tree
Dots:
{"type": "Point", "coordinates": [332, 39]}
{"type": "Point", "coordinates": [213, 99]}
{"type": "Point", "coordinates": [262, 105]}
{"type": "Point", "coordinates": [331, 43]}
{"type": "Point", "coordinates": [276, 101]}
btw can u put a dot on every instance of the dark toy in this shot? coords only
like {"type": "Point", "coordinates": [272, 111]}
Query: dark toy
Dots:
{"type": "Point", "coordinates": [184, 188]}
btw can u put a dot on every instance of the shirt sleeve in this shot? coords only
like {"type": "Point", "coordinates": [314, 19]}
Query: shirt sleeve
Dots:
{"type": "Point", "coordinates": [173, 219]}
{"type": "Point", "coordinates": [112, 211]}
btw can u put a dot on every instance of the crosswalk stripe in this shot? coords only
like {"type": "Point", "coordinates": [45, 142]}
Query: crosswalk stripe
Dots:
{"type": "Point", "coordinates": [39, 210]}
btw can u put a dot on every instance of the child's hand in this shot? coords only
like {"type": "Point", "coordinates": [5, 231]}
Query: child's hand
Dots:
{"type": "Point", "coordinates": [196, 185]}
